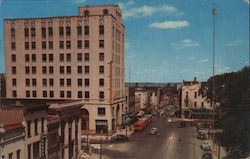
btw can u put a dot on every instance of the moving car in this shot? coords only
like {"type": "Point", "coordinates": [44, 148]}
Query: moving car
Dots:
{"type": "Point", "coordinates": [205, 145]}
{"type": "Point", "coordinates": [118, 138]}
{"type": "Point", "coordinates": [154, 131]}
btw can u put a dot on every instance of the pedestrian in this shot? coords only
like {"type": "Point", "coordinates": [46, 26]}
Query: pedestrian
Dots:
{"type": "Point", "coordinates": [158, 134]}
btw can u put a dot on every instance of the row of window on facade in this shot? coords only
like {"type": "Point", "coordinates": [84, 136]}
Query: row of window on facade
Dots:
{"type": "Point", "coordinates": [63, 82]}
{"type": "Point", "coordinates": [63, 94]}
{"type": "Point", "coordinates": [62, 57]}
{"type": "Point", "coordinates": [62, 70]}
{"type": "Point", "coordinates": [61, 45]}
{"type": "Point", "coordinates": [62, 30]}
{"type": "Point", "coordinates": [11, 155]}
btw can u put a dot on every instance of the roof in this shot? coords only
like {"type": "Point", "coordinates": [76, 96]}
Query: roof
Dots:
{"type": "Point", "coordinates": [11, 118]}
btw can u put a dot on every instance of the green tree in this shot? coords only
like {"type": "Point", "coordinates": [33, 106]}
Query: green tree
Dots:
{"type": "Point", "coordinates": [232, 92]}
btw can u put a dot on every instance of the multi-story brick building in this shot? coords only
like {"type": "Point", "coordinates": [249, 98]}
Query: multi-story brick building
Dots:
{"type": "Point", "coordinates": [69, 58]}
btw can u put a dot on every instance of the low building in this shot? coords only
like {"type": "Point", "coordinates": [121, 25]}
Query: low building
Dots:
{"type": "Point", "coordinates": [69, 114]}
{"type": "Point", "coordinates": [53, 126]}
{"type": "Point", "coordinates": [193, 104]}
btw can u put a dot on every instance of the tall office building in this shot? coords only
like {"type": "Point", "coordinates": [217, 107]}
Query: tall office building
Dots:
{"type": "Point", "coordinates": [70, 58]}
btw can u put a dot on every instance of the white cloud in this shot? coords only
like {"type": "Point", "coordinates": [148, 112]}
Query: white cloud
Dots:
{"type": "Point", "coordinates": [146, 10]}
{"type": "Point", "coordinates": [234, 43]}
{"type": "Point", "coordinates": [247, 1]}
{"type": "Point", "coordinates": [127, 44]}
{"type": "Point", "coordinates": [79, 1]}
{"type": "Point", "coordinates": [186, 43]}
{"type": "Point", "coordinates": [169, 24]}
{"type": "Point", "coordinates": [191, 58]}
{"type": "Point", "coordinates": [203, 60]}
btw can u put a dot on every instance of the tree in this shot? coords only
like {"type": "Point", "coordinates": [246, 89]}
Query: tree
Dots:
{"type": "Point", "coordinates": [232, 92]}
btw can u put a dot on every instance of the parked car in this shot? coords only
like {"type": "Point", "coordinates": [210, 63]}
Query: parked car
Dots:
{"type": "Point", "coordinates": [202, 135]}
{"type": "Point", "coordinates": [96, 148]}
{"type": "Point", "coordinates": [205, 145]}
{"type": "Point", "coordinates": [154, 131]}
{"type": "Point", "coordinates": [118, 138]}
{"type": "Point", "coordinates": [207, 155]}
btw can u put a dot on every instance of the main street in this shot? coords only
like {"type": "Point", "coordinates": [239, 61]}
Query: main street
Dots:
{"type": "Point", "coordinates": [172, 143]}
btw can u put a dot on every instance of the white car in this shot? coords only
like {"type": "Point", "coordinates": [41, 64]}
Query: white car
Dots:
{"type": "Point", "coordinates": [154, 131]}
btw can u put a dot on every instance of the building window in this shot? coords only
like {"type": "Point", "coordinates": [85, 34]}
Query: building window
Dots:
{"type": "Point", "coordinates": [86, 56]}
{"type": "Point", "coordinates": [61, 44]}
{"type": "Point", "coordinates": [86, 94]}
{"type": "Point", "coordinates": [51, 82]}
{"type": "Point", "coordinates": [13, 46]}
{"type": "Point", "coordinates": [202, 104]}
{"type": "Point", "coordinates": [79, 57]}
{"type": "Point", "coordinates": [86, 30]}
{"type": "Point", "coordinates": [105, 11]}
{"type": "Point", "coordinates": [61, 57]}
{"type": "Point", "coordinates": [101, 56]}
{"type": "Point", "coordinates": [33, 82]}
{"type": "Point", "coordinates": [79, 44]}
{"type": "Point", "coordinates": [18, 154]}
{"type": "Point", "coordinates": [79, 94]}
{"type": "Point", "coordinates": [14, 93]}
{"type": "Point", "coordinates": [86, 44]}
{"type": "Point", "coordinates": [86, 12]}
{"type": "Point", "coordinates": [79, 30]}
{"type": "Point", "coordinates": [29, 151]}
{"type": "Point", "coordinates": [34, 93]}
{"type": "Point", "coordinates": [195, 94]}
{"type": "Point", "coordinates": [44, 94]}
{"type": "Point", "coordinates": [27, 57]}
{"type": "Point", "coordinates": [50, 45]}
{"type": "Point", "coordinates": [68, 94]}
{"type": "Point", "coordinates": [61, 31]}
{"type": "Point", "coordinates": [101, 94]}
{"type": "Point", "coordinates": [50, 31]}
{"type": "Point", "coordinates": [26, 32]}
{"type": "Point", "coordinates": [12, 32]}
{"type": "Point", "coordinates": [51, 58]}
{"type": "Point", "coordinates": [33, 45]}
{"type": "Point", "coordinates": [68, 82]}
{"type": "Point", "coordinates": [43, 32]}
{"type": "Point", "coordinates": [68, 69]}
{"type": "Point", "coordinates": [14, 82]}
{"type": "Point", "coordinates": [101, 111]}
{"type": "Point", "coordinates": [79, 82]}
{"type": "Point", "coordinates": [68, 31]}
{"type": "Point", "coordinates": [36, 123]}
{"type": "Point", "coordinates": [101, 69]}
{"type": "Point", "coordinates": [10, 156]}
{"type": "Point", "coordinates": [68, 57]}
{"type": "Point", "coordinates": [101, 82]}
{"type": "Point", "coordinates": [51, 70]}
{"type": "Point", "coordinates": [44, 45]}
{"type": "Point", "coordinates": [101, 43]}
{"type": "Point", "coordinates": [51, 94]}
{"type": "Point", "coordinates": [86, 69]}
{"type": "Point", "coordinates": [28, 129]}
{"type": "Point", "coordinates": [44, 69]}
{"type": "Point", "coordinates": [27, 93]}
{"type": "Point", "coordinates": [27, 70]}
{"type": "Point", "coordinates": [44, 57]}
{"type": "Point", "coordinates": [42, 124]}
{"type": "Point", "coordinates": [13, 70]}
{"type": "Point", "coordinates": [68, 44]}
{"type": "Point", "coordinates": [62, 94]}
{"type": "Point", "coordinates": [195, 104]}
{"type": "Point", "coordinates": [79, 69]}
{"type": "Point", "coordinates": [86, 82]}
{"type": "Point", "coordinates": [101, 29]}
{"type": "Point", "coordinates": [33, 32]}
{"type": "Point", "coordinates": [33, 57]}
{"type": "Point", "coordinates": [27, 82]}
{"type": "Point", "coordinates": [61, 82]}
{"type": "Point", "coordinates": [33, 69]}
{"type": "Point", "coordinates": [61, 69]}
{"type": "Point", "coordinates": [44, 82]}
{"type": "Point", "coordinates": [13, 58]}
{"type": "Point", "coordinates": [26, 45]}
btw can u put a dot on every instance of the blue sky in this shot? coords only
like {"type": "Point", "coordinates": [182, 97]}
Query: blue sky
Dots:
{"type": "Point", "coordinates": [166, 40]}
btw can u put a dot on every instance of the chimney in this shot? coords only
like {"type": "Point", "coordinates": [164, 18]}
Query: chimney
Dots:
{"type": "Point", "coordinates": [194, 79]}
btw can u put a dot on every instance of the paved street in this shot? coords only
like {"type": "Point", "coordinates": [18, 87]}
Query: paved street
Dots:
{"type": "Point", "coordinates": [173, 143]}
